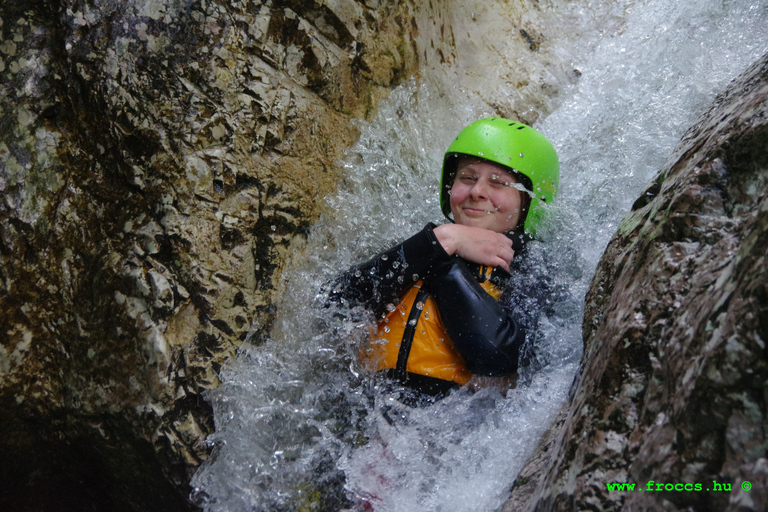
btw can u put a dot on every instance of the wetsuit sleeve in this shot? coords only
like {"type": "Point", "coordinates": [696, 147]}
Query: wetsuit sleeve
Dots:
{"type": "Point", "coordinates": [485, 335]}
{"type": "Point", "coordinates": [384, 278]}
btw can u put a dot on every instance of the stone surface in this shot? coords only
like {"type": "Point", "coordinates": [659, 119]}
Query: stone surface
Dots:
{"type": "Point", "coordinates": [674, 380]}
{"type": "Point", "coordinates": [157, 157]}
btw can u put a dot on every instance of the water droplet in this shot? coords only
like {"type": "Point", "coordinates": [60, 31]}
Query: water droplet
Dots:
{"type": "Point", "coordinates": [480, 153]}
{"type": "Point", "coordinates": [521, 155]}
{"type": "Point", "coordinates": [419, 305]}
{"type": "Point", "coordinates": [386, 328]}
{"type": "Point", "coordinates": [395, 264]}
{"type": "Point", "coordinates": [415, 277]}
{"type": "Point", "coordinates": [274, 228]}
{"type": "Point", "coordinates": [412, 322]}
{"type": "Point", "coordinates": [384, 257]}
{"type": "Point", "coordinates": [426, 315]}
{"type": "Point", "coordinates": [357, 274]}
{"type": "Point", "coordinates": [390, 307]}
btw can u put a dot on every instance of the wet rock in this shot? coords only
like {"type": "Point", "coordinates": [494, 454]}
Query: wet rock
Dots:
{"type": "Point", "coordinates": [672, 387]}
{"type": "Point", "coordinates": [155, 162]}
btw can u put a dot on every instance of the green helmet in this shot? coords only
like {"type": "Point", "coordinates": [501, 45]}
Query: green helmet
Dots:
{"type": "Point", "coordinates": [524, 150]}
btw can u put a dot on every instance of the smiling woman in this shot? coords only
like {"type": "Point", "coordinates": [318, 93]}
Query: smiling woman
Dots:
{"type": "Point", "coordinates": [437, 293]}
{"type": "Point", "coordinates": [483, 195]}
{"type": "Point", "coordinates": [510, 152]}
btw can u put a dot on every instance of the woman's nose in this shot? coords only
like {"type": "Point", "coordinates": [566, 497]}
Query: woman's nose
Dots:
{"type": "Point", "coordinates": [479, 189]}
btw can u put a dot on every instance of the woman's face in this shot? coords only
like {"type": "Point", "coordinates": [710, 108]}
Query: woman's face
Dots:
{"type": "Point", "coordinates": [484, 195]}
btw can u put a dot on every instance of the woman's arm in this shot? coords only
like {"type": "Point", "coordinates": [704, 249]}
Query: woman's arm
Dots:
{"type": "Point", "coordinates": [485, 335]}
{"type": "Point", "coordinates": [383, 279]}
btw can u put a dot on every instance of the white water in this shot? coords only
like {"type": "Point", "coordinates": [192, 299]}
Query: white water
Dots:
{"type": "Point", "coordinates": [297, 425]}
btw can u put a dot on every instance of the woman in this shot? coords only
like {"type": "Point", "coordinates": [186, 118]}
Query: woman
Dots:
{"type": "Point", "coordinates": [436, 295]}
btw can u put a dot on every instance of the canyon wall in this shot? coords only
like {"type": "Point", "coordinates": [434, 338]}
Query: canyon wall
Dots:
{"type": "Point", "coordinates": [158, 159]}
{"type": "Point", "coordinates": [673, 381]}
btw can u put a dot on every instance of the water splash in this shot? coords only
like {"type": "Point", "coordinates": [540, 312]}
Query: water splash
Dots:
{"type": "Point", "coordinates": [299, 427]}
{"type": "Point", "coordinates": [643, 86]}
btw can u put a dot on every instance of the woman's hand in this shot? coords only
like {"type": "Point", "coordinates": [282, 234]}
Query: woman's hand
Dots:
{"type": "Point", "coordinates": [477, 245]}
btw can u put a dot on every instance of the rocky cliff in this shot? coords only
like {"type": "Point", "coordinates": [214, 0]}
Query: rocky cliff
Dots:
{"type": "Point", "coordinates": [158, 159]}
{"type": "Point", "coordinates": [672, 386]}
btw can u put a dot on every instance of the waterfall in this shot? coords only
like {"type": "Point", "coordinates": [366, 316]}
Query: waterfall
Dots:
{"type": "Point", "coordinates": [298, 426]}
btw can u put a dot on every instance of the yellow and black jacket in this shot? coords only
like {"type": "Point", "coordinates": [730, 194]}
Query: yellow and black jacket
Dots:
{"type": "Point", "coordinates": [440, 321]}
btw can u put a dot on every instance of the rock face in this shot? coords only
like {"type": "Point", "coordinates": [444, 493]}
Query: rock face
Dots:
{"type": "Point", "coordinates": [674, 380]}
{"type": "Point", "coordinates": [157, 159]}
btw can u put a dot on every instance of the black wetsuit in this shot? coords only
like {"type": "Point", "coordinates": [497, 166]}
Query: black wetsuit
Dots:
{"type": "Point", "coordinates": [488, 334]}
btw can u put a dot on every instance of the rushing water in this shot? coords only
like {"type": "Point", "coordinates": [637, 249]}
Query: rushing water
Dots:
{"type": "Point", "coordinates": [299, 427]}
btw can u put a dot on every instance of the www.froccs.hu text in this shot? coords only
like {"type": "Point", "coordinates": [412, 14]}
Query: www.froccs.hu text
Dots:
{"type": "Point", "coordinates": [653, 486]}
